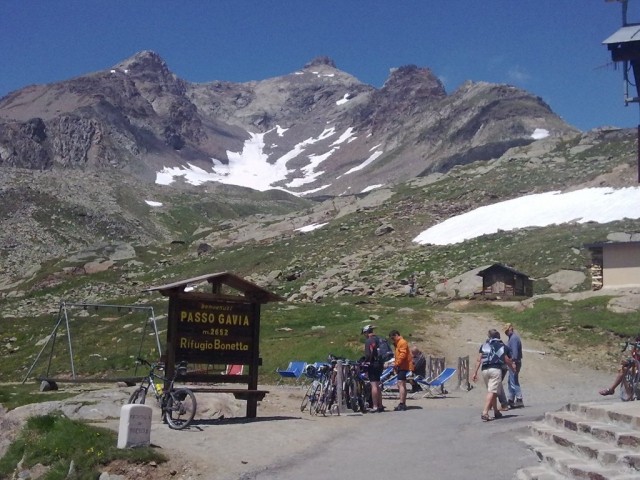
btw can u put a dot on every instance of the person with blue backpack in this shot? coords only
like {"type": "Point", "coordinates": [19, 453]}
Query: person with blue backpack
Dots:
{"type": "Point", "coordinates": [493, 354]}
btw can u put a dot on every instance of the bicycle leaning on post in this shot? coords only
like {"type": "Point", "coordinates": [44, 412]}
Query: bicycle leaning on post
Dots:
{"type": "Point", "coordinates": [178, 405]}
{"type": "Point", "coordinates": [631, 379]}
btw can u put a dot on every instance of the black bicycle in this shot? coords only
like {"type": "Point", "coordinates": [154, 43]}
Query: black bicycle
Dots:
{"type": "Point", "coordinates": [357, 388]}
{"type": "Point", "coordinates": [178, 405]}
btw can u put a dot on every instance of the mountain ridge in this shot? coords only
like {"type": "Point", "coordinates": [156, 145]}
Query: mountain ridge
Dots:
{"type": "Point", "coordinates": [140, 117]}
{"type": "Point", "coordinates": [85, 216]}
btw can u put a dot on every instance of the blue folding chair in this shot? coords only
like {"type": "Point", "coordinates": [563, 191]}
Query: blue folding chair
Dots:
{"type": "Point", "coordinates": [390, 386]}
{"type": "Point", "coordinates": [386, 374]}
{"type": "Point", "coordinates": [293, 371]}
{"type": "Point", "coordinates": [435, 388]}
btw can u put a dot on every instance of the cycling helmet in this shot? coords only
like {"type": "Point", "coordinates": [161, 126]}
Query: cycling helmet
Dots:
{"type": "Point", "coordinates": [368, 328]}
{"type": "Point", "coordinates": [311, 371]}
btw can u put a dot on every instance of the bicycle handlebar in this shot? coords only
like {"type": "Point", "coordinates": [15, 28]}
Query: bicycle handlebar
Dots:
{"type": "Point", "coordinates": [181, 365]}
{"type": "Point", "coordinates": [626, 345]}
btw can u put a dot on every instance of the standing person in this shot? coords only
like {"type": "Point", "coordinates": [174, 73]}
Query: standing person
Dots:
{"type": "Point", "coordinates": [515, 345]}
{"type": "Point", "coordinates": [492, 354]}
{"type": "Point", "coordinates": [502, 397]}
{"type": "Point", "coordinates": [419, 368]}
{"type": "Point", "coordinates": [412, 285]}
{"type": "Point", "coordinates": [402, 366]}
{"type": "Point", "coordinates": [376, 365]}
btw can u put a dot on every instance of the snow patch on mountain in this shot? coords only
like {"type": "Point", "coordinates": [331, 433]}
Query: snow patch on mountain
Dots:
{"type": "Point", "coordinates": [599, 205]}
{"type": "Point", "coordinates": [251, 166]}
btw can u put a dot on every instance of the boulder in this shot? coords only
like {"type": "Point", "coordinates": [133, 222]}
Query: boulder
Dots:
{"type": "Point", "coordinates": [565, 280]}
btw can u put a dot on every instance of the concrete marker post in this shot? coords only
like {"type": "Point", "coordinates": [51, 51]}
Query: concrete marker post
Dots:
{"type": "Point", "coordinates": [135, 426]}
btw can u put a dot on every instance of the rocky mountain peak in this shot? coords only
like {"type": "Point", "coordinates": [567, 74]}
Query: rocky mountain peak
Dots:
{"type": "Point", "coordinates": [144, 61]}
{"type": "Point", "coordinates": [321, 60]}
{"type": "Point", "coordinates": [415, 78]}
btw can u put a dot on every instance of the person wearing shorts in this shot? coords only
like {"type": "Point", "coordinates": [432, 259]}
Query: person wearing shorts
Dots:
{"type": "Point", "coordinates": [625, 365]}
{"type": "Point", "coordinates": [491, 356]}
{"type": "Point", "coordinates": [376, 366]}
{"type": "Point", "coordinates": [403, 365]}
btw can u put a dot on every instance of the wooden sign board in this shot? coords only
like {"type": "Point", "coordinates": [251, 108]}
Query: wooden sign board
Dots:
{"type": "Point", "coordinates": [214, 332]}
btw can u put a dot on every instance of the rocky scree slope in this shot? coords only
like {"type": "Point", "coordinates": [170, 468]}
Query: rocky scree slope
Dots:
{"type": "Point", "coordinates": [103, 242]}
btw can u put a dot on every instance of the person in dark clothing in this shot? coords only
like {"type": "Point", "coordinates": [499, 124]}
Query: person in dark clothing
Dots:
{"type": "Point", "coordinates": [419, 368]}
{"type": "Point", "coordinates": [376, 366]}
{"type": "Point", "coordinates": [515, 345]}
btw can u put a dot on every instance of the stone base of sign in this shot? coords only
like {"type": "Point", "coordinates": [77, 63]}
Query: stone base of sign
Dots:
{"type": "Point", "coordinates": [135, 426]}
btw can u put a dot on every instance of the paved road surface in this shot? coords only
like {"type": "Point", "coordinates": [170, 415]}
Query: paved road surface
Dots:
{"type": "Point", "coordinates": [423, 442]}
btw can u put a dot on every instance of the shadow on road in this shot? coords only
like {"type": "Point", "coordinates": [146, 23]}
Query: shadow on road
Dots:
{"type": "Point", "coordinates": [240, 420]}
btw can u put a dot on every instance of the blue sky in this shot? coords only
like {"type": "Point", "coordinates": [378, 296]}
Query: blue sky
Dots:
{"type": "Point", "coordinates": [551, 48]}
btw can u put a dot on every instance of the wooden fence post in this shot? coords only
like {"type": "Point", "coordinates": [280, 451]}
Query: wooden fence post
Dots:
{"type": "Point", "coordinates": [463, 373]}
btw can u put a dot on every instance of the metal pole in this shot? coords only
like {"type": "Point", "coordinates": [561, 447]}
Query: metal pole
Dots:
{"type": "Point", "coordinates": [107, 305]}
{"type": "Point", "coordinates": [340, 405]}
{"type": "Point", "coordinates": [155, 330]}
{"type": "Point", "coordinates": [73, 368]}
{"type": "Point", "coordinates": [52, 336]}
{"type": "Point", "coordinates": [55, 336]}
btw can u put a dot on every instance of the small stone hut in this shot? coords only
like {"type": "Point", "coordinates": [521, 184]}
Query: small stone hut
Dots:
{"type": "Point", "coordinates": [499, 279]}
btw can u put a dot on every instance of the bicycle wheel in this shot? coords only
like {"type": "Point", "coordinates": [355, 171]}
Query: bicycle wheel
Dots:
{"type": "Point", "coordinates": [330, 399]}
{"type": "Point", "coordinates": [353, 395]}
{"type": "Point", "coordinates": [138, 396]}
{"type": "Point", "coordinates": [635, 386]}
{"type": "Point", "coordinates": [367, 394]}
{"type": "Point", "coordinates": [630, 385]}
{"type": "Point", "coordinates": [321, 403]}
{"type": "Point", "coordinates": [362, 400]}
{"type": "Point", "coordinates": [314, 398]}
{"type": "Point", "coordinates": [307, 396]}
{"type": "Point", "coordinates": [180, 408]}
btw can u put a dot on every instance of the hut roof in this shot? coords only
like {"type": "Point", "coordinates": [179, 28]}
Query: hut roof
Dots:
{"type": "Point", "coordinates": [249, 289]}
{"type": "Point", "coordinates": [501, 266]}
{"type": "Point", "coordinates": [602, 244]}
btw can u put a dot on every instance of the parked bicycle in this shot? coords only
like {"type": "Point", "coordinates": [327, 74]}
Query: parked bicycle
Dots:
{"type": "Point", "coordinates": [318, 374]}
{"type": "Point", "coordinates": [321, 396]}
{"type": "Point", "coordinates": [178, 405]}
{"type": "Point", "coordinates": [357, 388]}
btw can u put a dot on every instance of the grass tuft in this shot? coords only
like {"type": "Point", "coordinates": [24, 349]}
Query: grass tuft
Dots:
{"type": "Point", "coordinates": [56, 441]}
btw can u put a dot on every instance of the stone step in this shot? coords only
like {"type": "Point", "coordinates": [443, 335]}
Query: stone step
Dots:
{"type": "Point", "coordinates": [619, 435]}
{"type": "Point", "coordinates": [626, 414]}
{"type": "Point", "coordinates": [586, 446]}
{"type": "Point", "coordinates": [539, 472]}
{"type": "Point", "coordinates": [563, 462]}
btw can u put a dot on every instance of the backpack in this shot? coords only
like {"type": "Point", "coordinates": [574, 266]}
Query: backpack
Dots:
{"type": "Point", "coordinates": [493, 353]}
{"type": "Point", "coordinates": [384, 353]}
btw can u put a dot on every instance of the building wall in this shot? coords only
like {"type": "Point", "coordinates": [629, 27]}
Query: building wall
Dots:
{"type": "Point", "coordinates": [621, 264]}
{"type": "Point", "coordinates": [506, 283]}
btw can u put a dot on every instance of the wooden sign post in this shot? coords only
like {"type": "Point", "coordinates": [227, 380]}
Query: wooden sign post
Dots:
{"type": "Point", "coordinates": [217, 328]}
